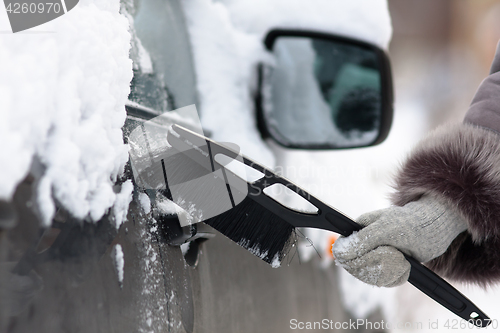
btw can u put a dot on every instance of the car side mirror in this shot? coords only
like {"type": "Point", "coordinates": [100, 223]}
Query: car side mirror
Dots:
{"type": "Point", "coordinates": [324, 91]}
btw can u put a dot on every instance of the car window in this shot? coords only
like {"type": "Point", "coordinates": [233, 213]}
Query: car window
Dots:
{"type": "Point", "coordinates": [164, 78]}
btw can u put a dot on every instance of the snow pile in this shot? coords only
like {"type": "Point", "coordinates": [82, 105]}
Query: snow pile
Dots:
{"type": "Point", "coordinates": [63, 87]}
{"type": "Point", "coordinates": [119, 261]}
{"type": "Point", "coordinates": [145, 202]}
{"type": "Point", "coordinates": [122, 201]}
{"type": "Point", "coordinates": [186, 216]}
{"type": "Point", "coordinates": [224, 58]}
{"type": "Point", "coordinates": [368, 20]}
{"type": "Point", "coordinates": [345, 244]}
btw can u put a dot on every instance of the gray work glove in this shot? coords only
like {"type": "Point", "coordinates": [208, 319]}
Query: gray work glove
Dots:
{"type": "Point", "coordinates": [423, 229]}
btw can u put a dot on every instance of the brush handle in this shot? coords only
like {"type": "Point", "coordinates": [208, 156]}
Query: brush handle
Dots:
{"type": "Point", "coordinates": [328, 218]}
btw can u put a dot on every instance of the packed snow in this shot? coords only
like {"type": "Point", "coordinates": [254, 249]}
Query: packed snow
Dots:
{"type": "Point", "coordinates": [122, 201]}
{"type": "Point", "coordinates": [344, 244]}
{"type": "Point", "coordinates": [186, 217]}
{"type": "Point", "coordinates": [63, 87]}
{"type": "Point", "coordinates": [368, 20]}
{"type": "Point", "coordinates": [145, 202]}
{"type": "Point", "coordinates": [223, 58]}
{"type": "Point", "coordinates": [119, 261]}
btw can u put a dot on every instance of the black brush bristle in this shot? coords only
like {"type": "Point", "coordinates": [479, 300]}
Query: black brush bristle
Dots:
{"type": "Point", "coordinates": [249, 224]}
{"type": "Point", "coordinates": [257, 229]}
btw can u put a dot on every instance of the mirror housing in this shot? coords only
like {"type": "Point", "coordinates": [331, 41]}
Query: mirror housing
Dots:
{"type": "Point", "coordinates": [346, 102]}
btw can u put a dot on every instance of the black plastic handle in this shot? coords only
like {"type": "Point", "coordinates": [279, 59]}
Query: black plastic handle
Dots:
{"type": "Point", "coordinates": [329, 218]}
{"type": "Point", "coordinates": [445, 294]}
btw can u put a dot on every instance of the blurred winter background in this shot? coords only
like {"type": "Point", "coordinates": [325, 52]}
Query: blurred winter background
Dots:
{"type": "Point", "coordinates": [440, 52]}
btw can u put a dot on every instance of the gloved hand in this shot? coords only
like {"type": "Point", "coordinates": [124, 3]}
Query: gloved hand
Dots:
{"type": "Point", "coordinates": [423, 229]}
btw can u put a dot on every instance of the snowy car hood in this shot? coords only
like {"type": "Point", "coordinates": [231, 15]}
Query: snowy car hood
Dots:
{"type": "Point", "coordinates": [226, 38]}
{"type": "Point", "coordinates": [367, 20]}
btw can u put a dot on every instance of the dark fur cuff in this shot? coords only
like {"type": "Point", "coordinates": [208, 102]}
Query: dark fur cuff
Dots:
{"type": "Point", "coordinates": [460, 163]}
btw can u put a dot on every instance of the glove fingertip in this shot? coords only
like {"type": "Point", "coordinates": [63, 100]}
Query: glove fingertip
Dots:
{"type": "Point", "coordinates": [344, 248]}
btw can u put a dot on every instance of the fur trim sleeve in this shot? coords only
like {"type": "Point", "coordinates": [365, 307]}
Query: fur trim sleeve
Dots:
{"type": "Point", "coordinates": [460, 163]}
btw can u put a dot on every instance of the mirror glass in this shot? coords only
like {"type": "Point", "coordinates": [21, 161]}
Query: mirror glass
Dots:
{"type": "Point", "coordinates": [322, 92]}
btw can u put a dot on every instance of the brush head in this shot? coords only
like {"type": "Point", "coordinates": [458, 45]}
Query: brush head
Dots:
{"type": "Point", "coordinates": [193, 188]}
{"type": "Point", "coordinates": [197, 183]}
{"type": "Point", "coordinates": [256, 229]}
{"type": "Point", "coordinates": [249, 224]}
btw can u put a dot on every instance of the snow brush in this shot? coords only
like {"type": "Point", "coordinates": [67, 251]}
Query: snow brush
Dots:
{"type": "Point", "coordinates": [204, 180]}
